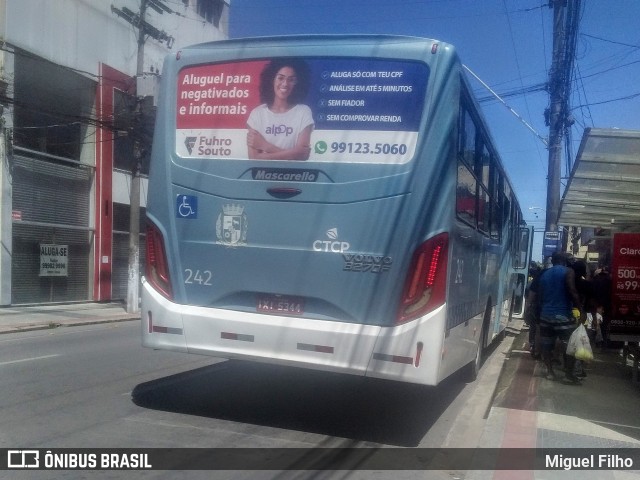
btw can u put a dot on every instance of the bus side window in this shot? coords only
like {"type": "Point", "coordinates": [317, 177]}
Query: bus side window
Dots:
{"type": "Point", "coordinates": [484, 210]}
{"type": "Point", "coordinates": [466, 194]}
{"type": "Point", "coordinates": [483, 160]}
{"type": "Point", "coordinates": [496, 201]}
{"type": "Point", "coordinates": [467, 137]}
{"type": "Point", "coordinates": [521, 253]}
{"type": "Point", "coordinates": [506, 212]}
{"type": "Point", "coordinates": [467, 185]}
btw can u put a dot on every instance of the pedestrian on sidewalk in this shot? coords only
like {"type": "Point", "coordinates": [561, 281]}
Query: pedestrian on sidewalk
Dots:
{"type": "Point", "coordinates": [593, 325]}
{"type": "Point", "coordinates": [601, 283]}
{"type": "Point", "coordinates": [559, 303]}
{"type": "Point", "coordinates": [532, 311]}
{"type": "Point", "coordinates": [585, 294]}
{"type": "Point", "coordinates": [584, 287]}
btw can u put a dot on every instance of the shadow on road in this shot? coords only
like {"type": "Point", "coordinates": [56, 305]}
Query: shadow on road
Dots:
{"type": "Point", "coordinates": [335, 405]}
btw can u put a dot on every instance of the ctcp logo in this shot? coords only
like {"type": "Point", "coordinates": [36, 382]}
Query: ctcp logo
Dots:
{"type": "Point", "coordinates": [331, 245]}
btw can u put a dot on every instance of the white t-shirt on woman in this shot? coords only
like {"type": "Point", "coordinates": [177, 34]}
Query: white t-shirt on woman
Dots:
{"type": "Point", "coordinates": [280, 129]}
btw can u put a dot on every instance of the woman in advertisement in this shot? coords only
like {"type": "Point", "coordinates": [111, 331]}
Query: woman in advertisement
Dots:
{"type": "Point", "coordinates": [280, 128]}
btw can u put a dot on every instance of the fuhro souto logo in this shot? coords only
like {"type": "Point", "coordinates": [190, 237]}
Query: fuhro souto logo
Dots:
{"type": "Point", "coordinates": [190, 142]}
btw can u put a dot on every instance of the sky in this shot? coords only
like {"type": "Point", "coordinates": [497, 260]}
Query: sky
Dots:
{"type": "Point", "coordinates": [508, 45]}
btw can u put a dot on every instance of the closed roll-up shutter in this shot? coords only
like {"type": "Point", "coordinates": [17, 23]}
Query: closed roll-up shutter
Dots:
{"type": "Point", "coordinates": [51, 206]}
{"type": "Point", "coordinates": [120, 266]}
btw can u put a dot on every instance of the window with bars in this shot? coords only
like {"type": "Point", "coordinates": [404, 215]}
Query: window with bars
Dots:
{"type": "Point", "coordinates": [210, 10]}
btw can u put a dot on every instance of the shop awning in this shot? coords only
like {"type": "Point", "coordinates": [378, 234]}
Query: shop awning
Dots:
{"type": "Point", "coordinates": [604, 187]}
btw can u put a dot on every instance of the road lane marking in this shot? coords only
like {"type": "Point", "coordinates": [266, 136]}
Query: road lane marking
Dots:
{"type": "Point", "coordinates": [11, 362]}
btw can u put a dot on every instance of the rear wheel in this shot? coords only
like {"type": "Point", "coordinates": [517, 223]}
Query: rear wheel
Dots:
{"type": "Point", "coordinates": [474, 366]}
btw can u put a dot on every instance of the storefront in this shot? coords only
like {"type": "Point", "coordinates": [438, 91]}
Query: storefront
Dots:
{"type": "Point", "coordinates": [51, 231]}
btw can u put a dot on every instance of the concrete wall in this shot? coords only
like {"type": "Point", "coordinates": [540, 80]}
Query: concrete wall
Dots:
{"type": "Point", "coordinates": [83, 33]}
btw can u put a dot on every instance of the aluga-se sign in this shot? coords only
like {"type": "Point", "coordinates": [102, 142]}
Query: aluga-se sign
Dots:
{"type": "Point", "coordinates": [54, 260]}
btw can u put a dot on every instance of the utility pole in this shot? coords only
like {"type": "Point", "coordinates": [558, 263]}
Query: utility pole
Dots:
{"type": "Point", "coordinates": [556, 115]}
{"type": "Point", "coordinates": [144, 29]}
{"type": "Point", "coordinates": [133, 279]}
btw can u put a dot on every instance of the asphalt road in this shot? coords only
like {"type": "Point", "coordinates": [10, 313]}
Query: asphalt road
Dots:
{"type": "Point", "coordinates": [96, 387]}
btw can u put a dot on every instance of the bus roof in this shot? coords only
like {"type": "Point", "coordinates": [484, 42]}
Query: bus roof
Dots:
{"type": "Point", "coordinates": [311, 38]}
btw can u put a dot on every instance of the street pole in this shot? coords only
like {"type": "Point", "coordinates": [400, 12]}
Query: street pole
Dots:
{"type": "Point", "coordinates": [556, 119]}
{"type": "Point", "coordinates": [133, 290]}
{"type": "Point", "coordinates": [144, 29]}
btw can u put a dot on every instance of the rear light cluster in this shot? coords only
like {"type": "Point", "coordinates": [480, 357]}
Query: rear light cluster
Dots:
{"type": "Point", "coordinates": [426, 283]}
{"type": "Point", "coordinates": [156, 268]}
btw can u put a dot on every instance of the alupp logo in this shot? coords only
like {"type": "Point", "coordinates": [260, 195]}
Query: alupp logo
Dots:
{"type": "Point", "coordinates": [276, 130]}
{"type": "Point", "coordinates": [332, 245]}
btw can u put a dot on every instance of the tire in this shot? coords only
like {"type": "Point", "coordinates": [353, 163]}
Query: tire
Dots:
{"type": "Point", "coordinates": [473, 367]}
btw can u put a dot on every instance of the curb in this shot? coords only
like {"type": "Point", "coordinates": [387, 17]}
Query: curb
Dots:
{"type": "Point", "coordinates": [55, 325]}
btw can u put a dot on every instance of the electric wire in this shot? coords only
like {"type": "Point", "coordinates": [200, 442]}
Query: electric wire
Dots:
{"type": "Point", "coordinates": [526, 102]}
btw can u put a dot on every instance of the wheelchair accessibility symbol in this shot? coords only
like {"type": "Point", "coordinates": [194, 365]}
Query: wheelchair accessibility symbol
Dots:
{"type": "Point", "coordinates": [186, 206]}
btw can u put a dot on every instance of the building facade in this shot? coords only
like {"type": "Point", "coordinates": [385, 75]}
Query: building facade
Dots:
{"type": "Point", "coordinates": [77, 84]}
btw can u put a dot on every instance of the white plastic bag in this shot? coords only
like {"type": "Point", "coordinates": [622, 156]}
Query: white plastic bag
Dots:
{"type": "Point", "coordinates": [579, 345]}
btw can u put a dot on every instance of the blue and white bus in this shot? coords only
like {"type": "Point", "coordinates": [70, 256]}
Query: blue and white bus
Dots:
{"type": "Point", "coordinates": [331, 203]}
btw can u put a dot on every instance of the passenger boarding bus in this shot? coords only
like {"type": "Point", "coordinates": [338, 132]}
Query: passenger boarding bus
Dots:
{"type": "Point", "coordinates": [328, 202]}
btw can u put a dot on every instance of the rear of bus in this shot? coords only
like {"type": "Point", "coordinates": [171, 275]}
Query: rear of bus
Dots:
{"type": "Point", "coordinates": [336, 262]}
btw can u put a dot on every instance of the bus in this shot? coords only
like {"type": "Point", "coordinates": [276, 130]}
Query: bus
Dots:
{"type": "Point", "coordinates": [328, 202]}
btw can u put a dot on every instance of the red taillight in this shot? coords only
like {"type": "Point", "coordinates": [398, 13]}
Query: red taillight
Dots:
{"type": "Point", "coordinates": [426, 284]}
{"type": "Point", "coordinates": [156, 268]}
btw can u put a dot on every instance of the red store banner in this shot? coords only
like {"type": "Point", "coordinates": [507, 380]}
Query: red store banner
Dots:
{"type": "Point", "coordinates": [625, 286]}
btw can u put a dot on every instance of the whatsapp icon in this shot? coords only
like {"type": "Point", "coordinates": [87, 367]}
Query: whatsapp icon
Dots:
{"type": "Point", "coordinates": [320, 147]}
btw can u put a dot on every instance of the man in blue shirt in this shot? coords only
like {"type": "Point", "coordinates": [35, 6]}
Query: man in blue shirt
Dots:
{"type": "Point", "coordinates": [559, 307]}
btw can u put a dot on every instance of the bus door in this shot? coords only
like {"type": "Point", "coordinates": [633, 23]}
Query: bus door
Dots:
{"type": "Point", "coordinates": [520, 269]}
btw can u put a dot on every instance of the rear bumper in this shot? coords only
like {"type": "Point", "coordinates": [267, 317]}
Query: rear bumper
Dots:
{"type": "Point", "coordinates": [410, 352]}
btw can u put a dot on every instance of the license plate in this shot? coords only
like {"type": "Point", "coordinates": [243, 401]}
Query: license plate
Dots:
{"type": "Point", "coordinates": [280, 305]}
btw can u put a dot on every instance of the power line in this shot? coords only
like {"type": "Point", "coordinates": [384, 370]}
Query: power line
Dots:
{"type": "Point", "coordinates": [609, 41]}
{"type": "Point", "coordinates": [526, 102]}
{"type": "Point", "coordinates": [611, 100]}
{"type": "Point", "coordinates": [538, 87]}
{"type": "Point", "coordinates": [580, 89]}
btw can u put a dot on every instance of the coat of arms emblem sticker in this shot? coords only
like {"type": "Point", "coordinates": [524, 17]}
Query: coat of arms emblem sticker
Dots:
{"type": "Point", "coordinates": [231, 226]}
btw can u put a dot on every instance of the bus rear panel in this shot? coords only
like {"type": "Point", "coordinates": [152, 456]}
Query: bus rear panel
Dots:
{"type": "Point", "coordinates": [343, 258]}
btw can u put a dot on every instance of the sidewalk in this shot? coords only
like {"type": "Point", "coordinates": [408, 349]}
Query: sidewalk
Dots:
{"type": "Point", "coordinates": [26, 318]}
{"type": "Point", "coordinates": [529, 411]}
